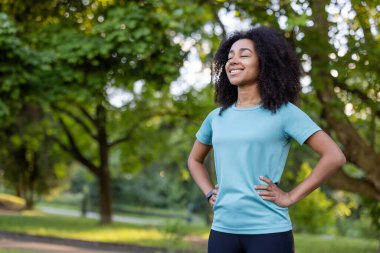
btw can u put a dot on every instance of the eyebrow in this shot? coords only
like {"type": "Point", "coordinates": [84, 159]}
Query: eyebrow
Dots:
{"type": "Point", "coordinates": [242, 49]}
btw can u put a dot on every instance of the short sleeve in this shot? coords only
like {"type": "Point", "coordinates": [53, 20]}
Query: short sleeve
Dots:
{"type": "Point", "coordinates": [297, 124]}
{"type": "Point", "coordinates": [204, 133]}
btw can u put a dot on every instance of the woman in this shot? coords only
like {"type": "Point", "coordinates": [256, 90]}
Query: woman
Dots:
{"type": "Point", "coordinates": [257, 81]}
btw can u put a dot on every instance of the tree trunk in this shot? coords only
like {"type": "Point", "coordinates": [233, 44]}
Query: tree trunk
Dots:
{"type": "Point", "coordinates": [105, 197]}
{"type": "Point", "coordinates": [101, 171]}
{"type": "Point", "coordinates": [104, 179]}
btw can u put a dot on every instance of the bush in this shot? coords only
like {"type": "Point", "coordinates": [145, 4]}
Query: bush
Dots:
{"type": "Point", "coordinates": [10, 202]}
{"type": "Point", "coordinates": [314, 214]}
{"type": "Point", "coordinates": [175, 230]}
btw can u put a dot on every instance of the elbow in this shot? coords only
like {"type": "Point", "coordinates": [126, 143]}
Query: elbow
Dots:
{"type": "Point", "coordinates": [193, 163]}
{"type": "Point", "coordinates": [190, 163]}
{"type": "Point", "coordinates": [339, 159]}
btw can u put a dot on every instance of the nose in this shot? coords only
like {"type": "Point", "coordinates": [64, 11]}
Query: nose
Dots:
{"type": "Point", "coordinates": [233, 60]}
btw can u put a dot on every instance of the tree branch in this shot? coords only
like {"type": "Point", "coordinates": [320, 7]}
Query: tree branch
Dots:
{"type": "Point", "coordinates": [362, 186]}
{"type": "Point", "coordinates": [218, 21]}
{"type": "Point", "coordinates": [128, 133]}
{"type": "Point", "coordinates": [363, 21]}
{"type": "Point", "coordinates": [74, 150]}
{"type": "Point", "coordinates": [87, 115]}
{"type": "Point", "coordinates": [357, 150]}
{"type": "Point", "coordinates": [61, 144]}
{"type": "Point", "coordinates": [77, 119]}
{"type": "Point", "coordinates": [364, 97]}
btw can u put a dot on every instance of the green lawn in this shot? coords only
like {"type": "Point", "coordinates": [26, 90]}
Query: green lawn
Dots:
{"type": "Point", "coordinates": [158, 236]}
{"type": "Point", "coordinates": [319, 244]}
{"type": "Point", "coordinates": [89, 229]}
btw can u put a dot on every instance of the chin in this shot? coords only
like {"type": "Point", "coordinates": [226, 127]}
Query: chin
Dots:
{"type": "Point", "coordinates": [237, 83]}
{"type": "Point", "coordinates": [234, 82]}
{"type": "Point", "coordinates": [241, 83]}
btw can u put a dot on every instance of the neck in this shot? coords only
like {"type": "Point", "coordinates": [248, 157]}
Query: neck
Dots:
{"type": "Point", "coordinates": [248, 95]}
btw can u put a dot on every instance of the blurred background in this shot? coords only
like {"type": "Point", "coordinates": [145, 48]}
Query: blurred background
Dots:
{"type": "Point", "coordinates": [100, 101]}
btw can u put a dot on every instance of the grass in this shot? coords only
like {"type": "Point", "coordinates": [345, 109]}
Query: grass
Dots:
{"type": "Point", "coordinates": [324, 244]}
{"type": "Point", "coordinates": [35, 223]}
{"type": "Point", "coordinates": [164, 236]}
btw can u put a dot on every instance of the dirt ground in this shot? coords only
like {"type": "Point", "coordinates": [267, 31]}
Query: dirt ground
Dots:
{"type": "Point", "coordinates": [40, 244]}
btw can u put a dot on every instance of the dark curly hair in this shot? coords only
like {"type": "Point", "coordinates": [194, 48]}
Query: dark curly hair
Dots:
{"type": "Point", "coordinates": [279, 73]}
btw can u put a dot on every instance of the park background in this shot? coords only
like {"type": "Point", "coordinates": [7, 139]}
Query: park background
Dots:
{"type": "Point", "coordinates": [100, 101]}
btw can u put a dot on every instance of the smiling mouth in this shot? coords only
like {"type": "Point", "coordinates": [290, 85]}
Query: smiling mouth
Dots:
{"type": "Point", "coordinates": [235, 71]}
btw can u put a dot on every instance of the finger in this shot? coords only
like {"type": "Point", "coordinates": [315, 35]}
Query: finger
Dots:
{"type": "Point", "coordinates": [215, 191]}
{"type": "Point", "coordinates": [261, 187]}
{"type": "Point", "coordinates": [266, 180]}
{"type": "Point", "coordinates": [271, 194]}
{"type": "Point", "coordinates": [216, 186]}
{"type": "Point", "coordinates": [213, 198]}
{"type": "Point", "coordinates": [269, 198]}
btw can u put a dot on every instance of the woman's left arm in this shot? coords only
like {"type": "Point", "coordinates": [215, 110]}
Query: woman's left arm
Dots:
{"type": "Point", "coordinates": [331, 159]}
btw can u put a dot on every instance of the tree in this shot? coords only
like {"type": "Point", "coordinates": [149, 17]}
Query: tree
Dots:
{"type": "Point", "coordinates": [30, 162]}
{"type": "Point", "coordinates": [92, 47]}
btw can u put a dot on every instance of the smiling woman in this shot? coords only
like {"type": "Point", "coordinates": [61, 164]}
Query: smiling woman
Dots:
{"type": "Point", "coordinates": [257, 81]}
{"type": "Point", "coordinates": [242, 66]}
{"type": "Point", "coordinates": [276, 69]}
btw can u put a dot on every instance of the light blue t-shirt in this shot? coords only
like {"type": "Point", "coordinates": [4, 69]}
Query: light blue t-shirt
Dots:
{"type": "Point", "coordinates": [248, 143]}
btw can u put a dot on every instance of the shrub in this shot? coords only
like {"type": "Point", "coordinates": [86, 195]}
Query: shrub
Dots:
{"type": "Point", "coordinates": [10, 202]}
{"type": "Point", "coordinates": [314, 214]}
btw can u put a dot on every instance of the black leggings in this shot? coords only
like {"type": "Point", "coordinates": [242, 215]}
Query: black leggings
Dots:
{"type": "Point", "coordinates": [220, 242]}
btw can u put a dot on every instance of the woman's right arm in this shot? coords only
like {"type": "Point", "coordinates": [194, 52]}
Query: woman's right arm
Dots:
{"type": "Point", "coordinates": [198, 170]}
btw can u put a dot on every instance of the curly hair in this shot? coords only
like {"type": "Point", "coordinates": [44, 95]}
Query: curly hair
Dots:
{"type": "Point", "coordinates": [279, 69]}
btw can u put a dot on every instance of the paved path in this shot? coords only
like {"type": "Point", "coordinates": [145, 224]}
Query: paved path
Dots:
{"type": "Point", "coordinates": [39, 244]}
{"type": "Point", "coordinates": [93, 215]}
{"type": "Point", "coordinates": [41, 247]}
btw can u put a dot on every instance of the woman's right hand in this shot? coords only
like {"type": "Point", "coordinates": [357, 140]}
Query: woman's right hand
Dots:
{"type": "Point", "coordinates": [212, 200]}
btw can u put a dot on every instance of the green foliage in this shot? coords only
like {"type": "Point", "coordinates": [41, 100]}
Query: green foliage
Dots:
{"type": "Point", "coordinates": [175, 230]}
{"type": "Point", "coordinates": [329, 244]}
{"type": "Point", "coordinates": [314, 214]}
{"type": "Point", "coordinates": [71, 54]}
{"type": "Point", "coordinates": [374, 212]}
{"type": "Point", "coordinates": [30, 162]}
{"type": "Point", "coordinates": [357, 227]}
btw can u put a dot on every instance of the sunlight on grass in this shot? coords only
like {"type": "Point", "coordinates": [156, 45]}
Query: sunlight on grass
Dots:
{"type": "Point", "coordinates": [32, 213]}
{"type": "Point", "coordinates": [88, 229]}
{"type": "Point", "coordinates": [118, 234]}
{"type": "Point", "coordinates": [159, 236]}
{"type": "Point", "coordinates": [317, 244]}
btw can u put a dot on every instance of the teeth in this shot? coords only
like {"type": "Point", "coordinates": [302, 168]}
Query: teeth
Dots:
{"type": "Point", "coordinates": [235, 71]}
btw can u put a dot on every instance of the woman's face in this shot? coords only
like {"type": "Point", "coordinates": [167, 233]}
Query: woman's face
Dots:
{"type": "Point", "coordinates": [242, 66]}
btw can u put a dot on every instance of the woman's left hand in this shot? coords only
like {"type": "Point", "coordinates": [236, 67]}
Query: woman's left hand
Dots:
{"type": "Point", "coordinates": [273, 193]}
